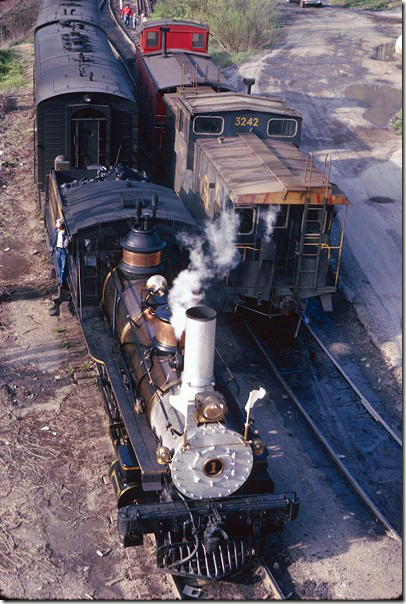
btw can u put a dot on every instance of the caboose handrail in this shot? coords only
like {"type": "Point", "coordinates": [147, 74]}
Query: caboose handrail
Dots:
{"type": "Point", "coordinates": [309, 158]}
{"type": "Point", "coordinates": [327, 162]}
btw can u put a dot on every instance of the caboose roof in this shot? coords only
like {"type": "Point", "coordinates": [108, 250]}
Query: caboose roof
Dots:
{"type": "Point", "coordinates": [266, 171]}
{"type": "Point", "coordinates": [182, 68]}
{"type": "Point", "coordinates": [110, 200]}
{"type": "Point", "coordinates": [153, 23]}
{"type": "Point", "coordinates": [233, 101]}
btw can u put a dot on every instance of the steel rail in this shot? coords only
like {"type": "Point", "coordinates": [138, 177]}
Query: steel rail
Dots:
{"type": "Point", "coordinates": [349, 381]}
{"type": "Point", "coordinates": [120, 27]}
{"type": "Point", "coordinates": [331, 452]}
{"type": "Point", "coordinates": [271, 582]}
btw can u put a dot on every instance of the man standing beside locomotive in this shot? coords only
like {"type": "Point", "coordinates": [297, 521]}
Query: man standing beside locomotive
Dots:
{"type": "Point", "coordinates": [60, 242]}
{"type": "Point", "coordinates": [126, 13]}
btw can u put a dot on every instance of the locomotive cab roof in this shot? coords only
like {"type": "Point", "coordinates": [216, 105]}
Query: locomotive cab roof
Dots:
{"type": "Point", "coordinates": [111, 200]}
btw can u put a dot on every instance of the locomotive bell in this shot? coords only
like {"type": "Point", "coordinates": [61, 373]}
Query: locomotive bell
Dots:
{"type": "Point", "coordinates": [142, 252]}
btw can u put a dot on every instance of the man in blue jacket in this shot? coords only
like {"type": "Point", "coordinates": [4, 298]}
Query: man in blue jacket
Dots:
{"type": "Point", "coordinates": [60, 242]}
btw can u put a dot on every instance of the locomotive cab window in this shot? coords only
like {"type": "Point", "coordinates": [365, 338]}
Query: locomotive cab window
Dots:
{"type": "Point", "coordinates": [208, 124]}
{"type": "Point", "coordinates": [197, 40]}
{"type": "Point", "coordinates": [282, 127]}
{"type": "Point", "coordinates": [247, 220]}
{"type": "Point", "coordinates": [152, 39]}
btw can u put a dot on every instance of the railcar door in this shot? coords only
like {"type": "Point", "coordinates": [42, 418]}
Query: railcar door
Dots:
{"type": "Point", "coordinates": [88, 138]}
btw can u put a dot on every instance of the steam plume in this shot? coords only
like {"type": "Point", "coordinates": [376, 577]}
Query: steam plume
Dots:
{"type": "Point", "coordinates": [220, 256]}
{"type": "Point", "coordinates": [269, 218]}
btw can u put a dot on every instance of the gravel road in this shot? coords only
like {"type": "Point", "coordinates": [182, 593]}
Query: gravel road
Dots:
{"type": "Point", "coordinates": [338, 68]}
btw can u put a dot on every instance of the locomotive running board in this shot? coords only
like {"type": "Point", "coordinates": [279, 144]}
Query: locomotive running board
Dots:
{"type": "Point", "coordinates": [103, 349]}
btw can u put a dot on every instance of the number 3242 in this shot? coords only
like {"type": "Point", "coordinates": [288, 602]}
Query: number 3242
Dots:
{"type": "Point", "coordinates": [243, 121]}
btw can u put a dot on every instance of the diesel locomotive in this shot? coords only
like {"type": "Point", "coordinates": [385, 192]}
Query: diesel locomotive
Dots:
{"type": "Point", "coordinates": [190, 468]}
{"type": "Point", "coordinates": [225, 151]}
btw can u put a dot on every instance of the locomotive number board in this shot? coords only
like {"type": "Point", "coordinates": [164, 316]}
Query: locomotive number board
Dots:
{"type": "Point", "coordinates": [242, 120]}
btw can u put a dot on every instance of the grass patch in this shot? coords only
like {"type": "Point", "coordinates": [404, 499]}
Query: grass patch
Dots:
{"type": "Point", "coordinates": [64, 345]}
{"type": "Point", "coordinates": [397, 122]}
{"type": "Point", "coordinates": [223, 58]}
{"type": "Point", "coordinates": [364, 4]}
{"type": "Point", "coordinates": [11, 71]}
{"type": "Point", "coordinates": [58, 329]}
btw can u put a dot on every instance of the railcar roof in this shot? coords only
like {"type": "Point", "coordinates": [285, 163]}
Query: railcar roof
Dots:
{"type": "Point", "coordinates": [161, 22]}
{"type": "Point", "coordinates": [82, 10]}
{"type": "Point", "coordinates": [252, 166]}
{"type": "Point", "coordinates": [233, 101]}
{"type": "Point", "coordinates": [181, 68]}
{"type": "Point", "coordinates": [69, 59]}
{"type": "Point", "coordinates": [96, 203]}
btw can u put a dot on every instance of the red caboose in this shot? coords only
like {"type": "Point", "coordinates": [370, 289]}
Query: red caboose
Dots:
{"type": "Point", "coordinates": [180, 35]}
{"type": "Point", "coordinates": [171, 55]}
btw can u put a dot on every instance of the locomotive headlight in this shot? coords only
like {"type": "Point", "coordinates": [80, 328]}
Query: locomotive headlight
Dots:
{"type": "Point", "coordinates": [258, 446]}
{"type": "Point", "coordinates": [212, 408]}
{"type": "Point", "coordinates": [163, 455]}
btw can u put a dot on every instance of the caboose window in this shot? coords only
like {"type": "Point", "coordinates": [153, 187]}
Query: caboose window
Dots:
{"type": "Point", "coordinates": [197, 40]}
{"type": "Point", "coordinates": [246, 216]}
{"type": "Point", "coordinates": [282, 127]}
{"type": "Point", "coordinates": [208, 124]}
{"type": "Point", "coordinates": [152, 38]}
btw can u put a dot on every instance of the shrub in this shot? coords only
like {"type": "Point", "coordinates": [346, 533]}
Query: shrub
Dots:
{"type": "Point", "coordinates": [239, 25]}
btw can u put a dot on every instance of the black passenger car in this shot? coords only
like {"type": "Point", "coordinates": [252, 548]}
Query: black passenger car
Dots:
{"type": "Point", "coordinates": [85, 106]}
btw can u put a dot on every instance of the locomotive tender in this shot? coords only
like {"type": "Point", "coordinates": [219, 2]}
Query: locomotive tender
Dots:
{"type": "Point", "coordinates": [186, 471]}
{"type": "Point", "coordinates": [86, 113]}
{"type": "Point", "coordinates": [221, 151]}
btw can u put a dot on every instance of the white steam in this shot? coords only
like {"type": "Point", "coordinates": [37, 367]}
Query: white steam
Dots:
{"type": "Point", "coordinates": [269, 218]}
{"type": "Point", "coordinates": [215, 260]}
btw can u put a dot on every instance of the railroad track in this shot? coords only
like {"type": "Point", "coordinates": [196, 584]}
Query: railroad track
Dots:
{"type": "Point", "coordinates": [364, 448]}
{"type": "Point", "coordinates": [197, 589]}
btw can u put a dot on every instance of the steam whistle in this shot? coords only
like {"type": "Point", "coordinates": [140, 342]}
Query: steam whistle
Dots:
{"type": "Point", "coordinates": [138, 211]}
{"type": "Point", "coordinates": [154, 205]}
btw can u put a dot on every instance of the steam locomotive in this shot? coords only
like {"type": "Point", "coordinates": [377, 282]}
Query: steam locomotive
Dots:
{"type": "Point", "coordinates": [225, 151]}
{"type": "Point", "coordinates": [190, 469]}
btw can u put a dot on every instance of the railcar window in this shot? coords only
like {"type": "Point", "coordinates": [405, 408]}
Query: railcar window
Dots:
{"type": "Point", "coordinates": [208, 124]}
{"type": "Point", "coordinates": [197, 40]}
{"type": "Point", "coordinates": [281, 221]}
{"type": "Point", "coordinates": [182, 123]}
{"type": "Point", "coordinates": [152, 38]}
{"type": "Point", "coordinates": [282, 127]}
{"type": "Point", "coordinates": [246, 216]}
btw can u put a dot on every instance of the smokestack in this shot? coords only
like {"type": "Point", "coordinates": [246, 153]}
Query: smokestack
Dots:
{"type": "Point", "coordinates": [199, 347]}
{"type": "Point", "coordinates": [249, 82]}
{"type": "Point", "coordinates": [164, 31]}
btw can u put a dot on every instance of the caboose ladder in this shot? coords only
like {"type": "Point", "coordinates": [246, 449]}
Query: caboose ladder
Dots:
{"type": "Point", "coordinates": [312, 233]}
